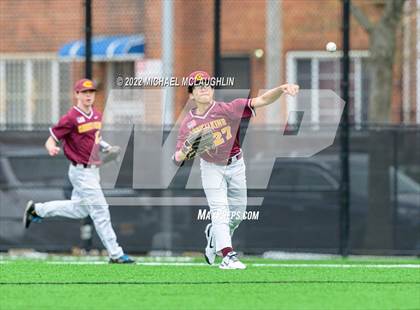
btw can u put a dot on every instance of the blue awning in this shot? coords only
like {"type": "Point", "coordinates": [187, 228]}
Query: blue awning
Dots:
{"type": "Point", "coordinates": [106, 48]}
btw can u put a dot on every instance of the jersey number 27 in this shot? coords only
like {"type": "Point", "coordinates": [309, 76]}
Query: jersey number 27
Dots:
{"type": "Point", "coordinates": [222, 136]}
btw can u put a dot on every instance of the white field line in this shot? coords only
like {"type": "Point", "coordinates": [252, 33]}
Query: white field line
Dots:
{"type": "Point", "coordinates": [391, 266]}
{"type": "Point", "coordinates": [172, 259]}
{"type": "Point", "coordinates": [342, 266]}
{"type": "Point", "coordinates": [137, 263]}
{"type": "Point", "coordinates": [172, 264]}
{"type": "Point", "coordinates": [77, 263]}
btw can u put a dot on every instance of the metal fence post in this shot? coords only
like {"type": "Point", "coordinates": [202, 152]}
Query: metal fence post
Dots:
{"type": "Point", "coordinates": [87, 226]}
{"type": "Point", "coordinates": [217, 56]}
{"type": "Point", "coordinates": [344, 135]}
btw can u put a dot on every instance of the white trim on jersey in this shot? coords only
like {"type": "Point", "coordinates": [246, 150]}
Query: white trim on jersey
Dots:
{"type": "Point", "coordinates": [205, 115]}
{"type": "Point", "coordinates": [252, 108]}
{"type": "Point", "coordinates": [53, 135]}
{"type": "Point", "coordinates": [83, 113]}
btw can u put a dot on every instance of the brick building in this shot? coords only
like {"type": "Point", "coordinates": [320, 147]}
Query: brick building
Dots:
{"type": "Point", "coordinates": [36, 82]}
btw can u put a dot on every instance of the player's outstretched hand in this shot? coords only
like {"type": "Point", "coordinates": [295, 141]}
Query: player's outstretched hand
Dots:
{"type": "Point", "coordinates": [54, 150]}
{"type": "Point", "coordinates": [290, 89]}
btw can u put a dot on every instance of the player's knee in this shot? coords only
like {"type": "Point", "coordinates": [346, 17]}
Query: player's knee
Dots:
{"type": "Point", "coordinates": [236, 218]}
{"type": "Point", "coordinates": [100, 215]}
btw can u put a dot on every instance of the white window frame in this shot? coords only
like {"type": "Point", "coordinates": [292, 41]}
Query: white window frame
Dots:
{"type": "Point", "coordinates": [28, 59]}
{"type": "Point", "coordinates": [316, 56]}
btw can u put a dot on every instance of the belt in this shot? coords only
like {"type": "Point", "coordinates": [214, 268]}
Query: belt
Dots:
{"type": "Point", "coordinates": [230, 161]}
{"type": "Point", "coordinates": [84, 165]}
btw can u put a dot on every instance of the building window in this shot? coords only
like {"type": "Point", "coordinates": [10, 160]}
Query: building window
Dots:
{"type": "Point", "coordinates": [238, 67]}
{"type": "Point", "coordinates": [15, 99]}
{"type": "Point", "coordinates": [322, 70]}
{"type": "Point", "coordinates": [32, 91]}
{"type": "Point", "coordinates": [41, 92]}
{"type": "Point", "coordinates": [65, 88]}
{"type": "Point", "coordinates": [124, 69]}
{"type": "Point", "coordinates": [125, 112]}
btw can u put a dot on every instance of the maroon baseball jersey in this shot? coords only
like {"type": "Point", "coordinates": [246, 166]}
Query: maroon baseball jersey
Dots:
{"type": "Point", "coordinates": [80, 135]}
{"type": "Point", "coordinates": [224, 118]}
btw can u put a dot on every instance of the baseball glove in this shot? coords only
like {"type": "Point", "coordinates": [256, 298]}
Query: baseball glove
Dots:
{"type": "Point", "coordinates": [110, 154]}
{"type": "Point", "coordinates": [198, 143]}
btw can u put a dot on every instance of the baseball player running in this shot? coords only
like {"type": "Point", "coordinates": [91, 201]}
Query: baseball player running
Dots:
{"type": "Point", "coordinates": [222, 165]}
{"type": "Point", "coordinates": [79, 131]}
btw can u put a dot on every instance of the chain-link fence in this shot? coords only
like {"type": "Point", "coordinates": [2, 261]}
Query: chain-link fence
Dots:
{"type": "Point", "coordinates": [300, 209]}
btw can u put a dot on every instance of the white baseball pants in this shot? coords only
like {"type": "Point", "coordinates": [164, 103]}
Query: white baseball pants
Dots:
{"type": "Point", "coordinates": [87, 199]}
{"type": "Point", "coordinates": [225, 188]}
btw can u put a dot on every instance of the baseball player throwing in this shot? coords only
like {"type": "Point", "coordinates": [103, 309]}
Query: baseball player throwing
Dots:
{"type": "Point", "coordinates": [79, 132]}
{"type": "Point", "coordinates": [222, 166]}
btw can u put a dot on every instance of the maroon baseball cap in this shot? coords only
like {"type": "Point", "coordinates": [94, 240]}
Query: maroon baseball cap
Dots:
{"type": "Point", "coordinates": [198, 76]}
{"type": "Point", "coordinates": [84, 84]}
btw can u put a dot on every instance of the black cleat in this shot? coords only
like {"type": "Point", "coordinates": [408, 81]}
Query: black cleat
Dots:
{"type": "Point", "coordinates": [30, 214]}
{"type": "Point", "coordinates": [125, 259]}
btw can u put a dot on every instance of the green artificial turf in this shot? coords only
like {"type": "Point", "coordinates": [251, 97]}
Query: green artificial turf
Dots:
{"type": "Point", "coordinates": [191, 285]}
